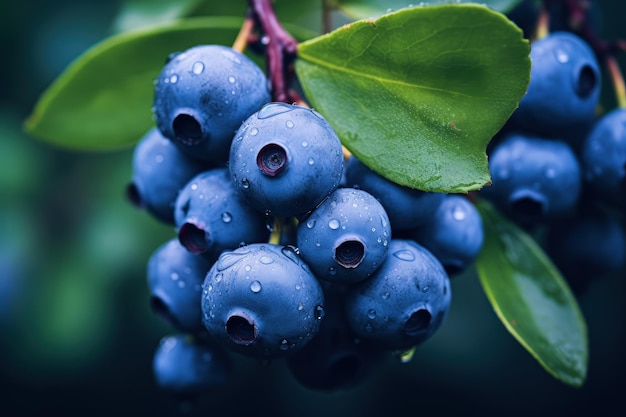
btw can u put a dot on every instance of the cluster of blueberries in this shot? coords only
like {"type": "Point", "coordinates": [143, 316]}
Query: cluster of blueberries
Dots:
{"type": "Point", "coordinates": [559, 169]}
{"type": "Point", "coordinates": [283, 246]}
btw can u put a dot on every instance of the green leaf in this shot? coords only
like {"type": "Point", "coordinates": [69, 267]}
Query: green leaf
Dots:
{"type": "Point", "coordinates": [103, 100]}
{"type": "Point", "coordinates": [368, 9]}
{"type": "Point", "coordinates": [418, 94]}
{"type": "Point", "coordinates": [531, 298]}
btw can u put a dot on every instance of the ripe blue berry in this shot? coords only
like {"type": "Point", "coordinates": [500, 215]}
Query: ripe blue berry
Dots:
{"type": "Point", "coordinates": [160, 170]}
{"type": "Point", "coordinates": [533, 179]}
{"type": "Point", "coordinates": [603, 158]}
{"type": "Point", "coordinates": [285, 159]}
{"type": "Point", "coordinates": [211, 216]}
{"type": "Point", "coordinates": [262, 301]}
{"type": "Point", "coordinates": [454, 234]}
{"type": "Point", "coordinates": [404, 302]}
{"type": "Point", "coordinates": [188, 367]}
{"type": "Point", "coordinates": [335, 359]}
{"type": "Point", "coordinates": [564, 85]}
{"type": "Point", "coordinates": [202, 96]}
{"type": "Point", "coordinates": [175, 278]}
{"type": "Point", "coordinates": [345, 239]}
{"type": "Point", "coordinates": [406, 207]}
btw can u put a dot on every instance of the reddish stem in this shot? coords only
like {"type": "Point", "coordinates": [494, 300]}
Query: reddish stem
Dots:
{"type": "Point", "coordinates": [281, 50]}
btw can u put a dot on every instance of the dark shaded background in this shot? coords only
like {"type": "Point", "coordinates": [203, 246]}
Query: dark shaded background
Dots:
{"type": "Point", "coordinates": [76, 332]}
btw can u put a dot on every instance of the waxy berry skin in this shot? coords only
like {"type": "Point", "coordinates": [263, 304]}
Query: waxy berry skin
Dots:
{"type": "Point", "coordinates": [202, 96]}
{"type": "Point", "coordinates": [404, 302]}
{"type": "Point", "coordinates": [262, 300]}
{"type": "Point", "coordinates": [285, 159]}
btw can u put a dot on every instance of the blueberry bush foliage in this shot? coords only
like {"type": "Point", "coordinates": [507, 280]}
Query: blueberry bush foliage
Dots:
{"type": "Point", "coordinates": [417, 92]}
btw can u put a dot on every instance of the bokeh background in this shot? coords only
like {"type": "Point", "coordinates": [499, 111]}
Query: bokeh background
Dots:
{"type": "Point", "coordinates": [76, 332]}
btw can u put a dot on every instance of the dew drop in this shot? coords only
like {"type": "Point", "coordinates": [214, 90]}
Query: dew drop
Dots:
{"type": "Point", "coordinates": [386, 295]}
{"type": "Point", "coordinates": [333, 224]}
{"type": "Point", "coordinates": [310, 223]}
{"type": "Point", "coordinates": [174, 79]}
{"type": "Point", "coordinates": [305, 144]}
{"type": "Point", "coordinates": [194, 186]}
{"type": "Point", "coordinates": [458, 213]}
{"type": "Point", "coordinates": [300, 307]}
{"type": "Point", "coordinates": [332, 270]}
{"type": "Point", "coordinates": [248, 268]}
{"type": "Point", "coordinates": [284, 344]}
{"type": "Point", "coordinates": [245, 183]}
{"type": "Point", "coordinates": [254, 131]}
{"type": "Point", "coordinates": [210, 288]}
{"type": "Point", "coordinates": [273, 109]}
{"type": "Point", "coordinates": [227, 217]}
{"type": "Point", "coordinates": [291, 253]}
{"type": "Point", "coordinates": [255, 286]}
{"type": "Point", "coordinates": [319, 312]}
{"type": "Point", "coordinates": [561, 56]}
{"type": "Point", "coordinates": [231, 79]}
{"type": "Point", "coordinates": [311, 161]}
{"type": "Point", "coordinates": [371, 314]}
{"type": "Point", "coordinates": [197, 67]}
{"type": "Point", "coordinates": [174, 276]}
{"type": "Point", "coordinates": [266, 260]}
{"type": "Point", "coordinates": [405, 255]}
{"type": "Point", "coordinates": [289, 124]}
{"type": "Point", "coordinates": [219, 277]}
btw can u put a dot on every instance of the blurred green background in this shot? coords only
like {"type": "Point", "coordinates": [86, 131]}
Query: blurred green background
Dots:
{"type": "Point", "coordinates": [76, 332]}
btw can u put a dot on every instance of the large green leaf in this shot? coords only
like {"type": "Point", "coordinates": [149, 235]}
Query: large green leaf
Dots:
{"type": "Point", "coordinates": [103, 100]}
{"type": "Point", "coordinates": [418, 94]}
{"type": "Point", "coordinates": [531, 298]}
{"type": "Point", "coordinates": [364, 9]}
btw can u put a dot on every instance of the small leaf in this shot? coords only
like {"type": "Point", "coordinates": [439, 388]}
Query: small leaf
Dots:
{"type": "Point", "coordinates": [103, 100]}
{"type": "Point", "coordinates": [531, 298]}
{"type": "Point", "coordinates": [368, 9]}
{"type": "Point", "coordinates": [418, 94]}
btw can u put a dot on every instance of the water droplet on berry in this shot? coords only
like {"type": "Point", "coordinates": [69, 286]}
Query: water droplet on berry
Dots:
{"type": "Point", "coordinates": [210, 288]}
{"type": "Point", "coordinates": [273, 109]}
{"type": "Point", "coordinates": [332, 270]}
{"type": "Point", "coordinates": [174, 79]}
{"type": "Point", "coordinates": [245, 183]}
{"type": "Point", "coordinates": [231, 79]}
{"type": "Point", "coordinates": [227, 217]}
{"type": "Point", "coordinates": [561, 56]}
{"type": "Point", "coordinates": [333, 224]}
{"type": "Point", "coordinates": [305, 144]}
{"type": "Point", "coordinates": [405, 255]}
{"type": "Point", "coordinates": [319, 312]}
{"type": "Point", "coordinates": [248, 268]}
{"type": "Point", "coordinates": [291, 253]}
{"type": "Point", "coordinates": [219, 277]}
{"type": "Point", "coordinates": [255, 286]}
{"type": "Point", "coordinates": [371, 314]}
{"type": "Point", "coordinates": [289, 124]}
{"type": "Point", "coordinates": [254, 131]}
{"type": "Point", "coordinates": [458, 213]}
{"type": "Point", "coordinates": [266, 260]}
{"type": "Point", "coordinates": [300, 307]}
{"type": "Point", "coordinates": [310, 223]}
{"type": "Point", "coordinates": [197, 67]}
{"type": "Point", "coordinates": [386, 295]}
{"type": "Point", "coordinates": [194, 186]}
{"type": "Point", "coordinates": [174, 276]}
{"type": "Point", "coordinates": [311, 161]}
{"type": "Point", "coordinates": [284, 344]}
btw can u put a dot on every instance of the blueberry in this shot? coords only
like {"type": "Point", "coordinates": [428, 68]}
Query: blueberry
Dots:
{"type": "Point", "coordinates": [404, 302]}
{"type": "Point", "coordinates": [262, 301]}
{"type": "Point", "coordinates": [587, 247]}
{"type": "Point", "coordinates": [533, 178]}
{"type": "Point", "coordinates": [285, 159]}
{"type": "Point", "coordinates": [454, 234]}
{"type": "Point", "coordinates": [603, 158]}
{"type": "Point", "coordinates": [406, 207]}
{"type": "Point", "coordinates": [202, 96]}
{"type": "Point", "coordinates": [564, 86]}
{"type": "Point", "coordinates": [188, 367]}
{"type": "Point", "coordinates": [160, 170]}
{"type": "Point", "coordinates": [336, 358]}
{"type": "Point", "coordinates": [345, 239]}
{"type": "Point", "coordinates": [175, 278]}
{"type": "Point", "coordinates": [211, 216]}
